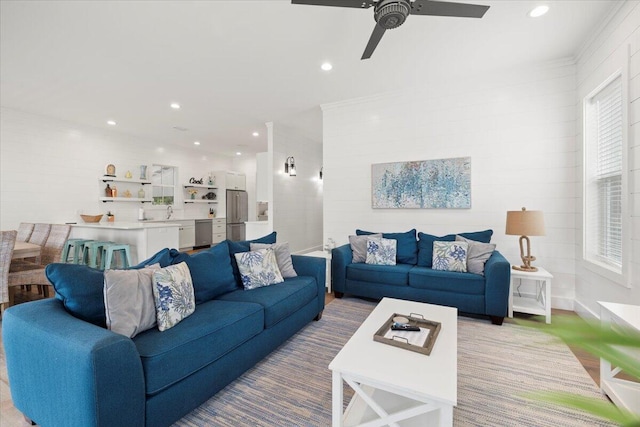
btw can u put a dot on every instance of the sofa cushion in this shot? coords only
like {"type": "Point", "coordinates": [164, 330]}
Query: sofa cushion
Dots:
{"type": "Point", "coordinates": [359, 246]}
{"type": "Point", "coordinates": [385, 274]}
{"type": "Point", "coordinates": [245, 246]}
{"type": "Point", "coordinates": [258, 268]}
{"type": "Point", "coordinates": [407, 247]}
{"type": "Point", "coordinates": [80, 288]}
{"type": "Point", "coordinates": [381, 251]}
{"type": "Point", "coordinates": [173, 295]}
{"type": "Point", "coordinates": [283, 256]}
{"type": "Point", "coordinates": [128, 300]}
{"type": "Point", "coordinates": [450, 281]}
{"type": "Point", "coordinates": [280, 300]}
{"type": "Point", "coordinates": [450, 256]}
{"type": "Point", "coordinates": [425, 243]}
{"type": "Point", "coordinates": [211, 272]}
{"type": "Point", "coordinates": [165, 257]}
{"type": "Point", "coordinates": [477, 255]}
{"type": "Point", "coordinates": [213, 330]}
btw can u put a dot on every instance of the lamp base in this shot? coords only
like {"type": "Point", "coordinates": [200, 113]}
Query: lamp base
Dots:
{"type": "Point", "coordinates": [525, 268]}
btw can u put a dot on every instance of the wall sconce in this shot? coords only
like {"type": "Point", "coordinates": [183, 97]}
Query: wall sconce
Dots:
{"type": "Point", "coordinates": [321, 172]}
{"type": "Point", "coordinates": [525, 223]}
{"type": "Point", "coordinates": [290, 166]}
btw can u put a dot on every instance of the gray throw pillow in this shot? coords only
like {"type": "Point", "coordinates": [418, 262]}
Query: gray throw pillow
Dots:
{"type": "Point", "coordinates": [359, 246]}
{"type": "Point", "coordinates": [283, 257]}
{"type": "Point", "coordinates": [477, 254]}
{"type": "Point", "coordinates": [128, 300]}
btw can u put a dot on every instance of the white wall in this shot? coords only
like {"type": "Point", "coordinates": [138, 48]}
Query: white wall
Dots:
{"type": "Point", "coordinates": [50, 170]}
{"type": "Point", "coordinates": [617, 44]}
{"type": "Point", "coordinates": [518, 128]}
{"type": "Point", "coordinates": [296, 202]}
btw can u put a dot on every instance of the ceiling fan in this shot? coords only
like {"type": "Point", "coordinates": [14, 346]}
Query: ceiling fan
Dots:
{"type": "Point", "coordinates": [390, 14]}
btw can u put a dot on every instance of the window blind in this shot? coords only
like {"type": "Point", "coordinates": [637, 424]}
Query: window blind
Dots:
{"type": "Point", "coordinates": [605, 207]}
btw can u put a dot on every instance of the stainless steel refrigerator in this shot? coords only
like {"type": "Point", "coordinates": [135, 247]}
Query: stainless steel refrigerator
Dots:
{"type": "Point", "coordinates": [237, 214]}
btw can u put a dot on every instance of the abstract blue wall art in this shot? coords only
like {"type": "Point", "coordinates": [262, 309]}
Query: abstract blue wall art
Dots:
{"type": "Point", "coordinates": [426, 184]}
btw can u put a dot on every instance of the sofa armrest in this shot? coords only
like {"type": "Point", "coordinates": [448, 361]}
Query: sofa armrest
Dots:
{"type": "Point", "coordinates": [497, 272]}
{"type": "Point", "coordinates": [65, 371]}
{"type": "Point", "coordinates": [315, 267]}
{"type": "Point", "coordinates": [340, 258]}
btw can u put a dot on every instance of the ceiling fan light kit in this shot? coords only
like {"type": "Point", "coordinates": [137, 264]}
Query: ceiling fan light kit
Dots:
{"type": "Point", "coordinates": [390, 14]}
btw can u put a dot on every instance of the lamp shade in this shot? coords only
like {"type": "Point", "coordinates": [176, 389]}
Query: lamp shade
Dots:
{"type": "Point", "coordinates": [525, 223]}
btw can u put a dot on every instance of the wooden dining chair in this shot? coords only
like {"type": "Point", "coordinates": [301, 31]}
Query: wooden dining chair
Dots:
{"type": "Point", "coordinates": [7, 242]}
{"type": "Point", "coordinates": [24, 231]}
{"type": "Point", "coordinates": [52, 250]}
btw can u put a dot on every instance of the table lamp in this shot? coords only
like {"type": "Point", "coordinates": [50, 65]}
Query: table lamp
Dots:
{"type": "Point", "coordinates": [525, 223]}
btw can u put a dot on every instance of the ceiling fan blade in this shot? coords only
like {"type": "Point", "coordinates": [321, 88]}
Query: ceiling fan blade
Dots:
{"type": "Point", "coordinates": [360, 4]}
{"type": "Point", "coordinates": [377, 34]}
{"type": "Point", "coordinates": [442, 8]}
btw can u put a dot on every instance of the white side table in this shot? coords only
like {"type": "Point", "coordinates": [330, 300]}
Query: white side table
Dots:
{"type": "Point", "coordinates": [624, 393]}
{"type": "Point", "coordinates": [327, 256]}
{"type": "Point", "coordinates": [540, 303]}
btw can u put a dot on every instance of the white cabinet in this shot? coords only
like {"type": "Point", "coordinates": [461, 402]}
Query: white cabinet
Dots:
{"type": "Point", "coordinates": [187, 233]}
{"type": "Point", "coordinates": [228, 180]}
{"type": "Point", "coordinates": [219, 232]}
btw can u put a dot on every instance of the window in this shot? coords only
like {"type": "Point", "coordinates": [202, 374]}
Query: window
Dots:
{"type": "Point", "coordinates": [163, 181]}
{"type": "Point", "coordinates": [605, 179]}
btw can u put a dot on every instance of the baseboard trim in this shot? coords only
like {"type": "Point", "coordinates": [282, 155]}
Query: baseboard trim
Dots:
{"type": "Point", "coordinates": [584, 312]}
{"type": "Point", "coordinates": [563, 303]}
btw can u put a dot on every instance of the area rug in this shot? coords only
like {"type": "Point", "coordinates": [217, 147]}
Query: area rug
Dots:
{"type": "Point", "coordinates": [496, 365]}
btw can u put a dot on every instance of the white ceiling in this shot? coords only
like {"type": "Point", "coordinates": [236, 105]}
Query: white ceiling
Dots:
{"type": "Point", "coordinates": [234, 65]}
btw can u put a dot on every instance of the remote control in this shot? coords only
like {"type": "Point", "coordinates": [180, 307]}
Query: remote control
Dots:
{"type": "Point", "coordinates": [399, 327]}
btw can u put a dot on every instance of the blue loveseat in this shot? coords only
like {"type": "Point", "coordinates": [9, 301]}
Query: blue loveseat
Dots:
{"type": "Point", "coordinates": [413, 277]}
{"type": "Point", "coordinates": [66, 369]}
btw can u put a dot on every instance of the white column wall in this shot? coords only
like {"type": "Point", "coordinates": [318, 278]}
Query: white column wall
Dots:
{"type": "Point", "coordinates": [50, 170]}
{"type": "Point", "coordinates": [517, 126]}
{"type": "Point", "coordinates": [296, 203]}
{"type": "Point", "coordinates": [617, 43]}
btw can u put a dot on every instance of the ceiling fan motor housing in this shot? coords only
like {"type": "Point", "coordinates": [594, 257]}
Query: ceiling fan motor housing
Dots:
{"type": "Point", "coordinates": [391, 14]}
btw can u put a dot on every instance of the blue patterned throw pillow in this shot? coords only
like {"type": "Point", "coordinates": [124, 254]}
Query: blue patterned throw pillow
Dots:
{"type": "Point", "coordinates": [381, 251]}
{"type": "Point", "coordinates": [173, 294]}
{"type": "Point", "coordinates": [258, 268]}
{"type": "Point", "coordinates": [450, 256]}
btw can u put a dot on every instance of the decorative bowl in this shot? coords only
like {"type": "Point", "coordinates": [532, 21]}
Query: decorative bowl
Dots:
{"type": "Point", "coordinates": [91, 218]}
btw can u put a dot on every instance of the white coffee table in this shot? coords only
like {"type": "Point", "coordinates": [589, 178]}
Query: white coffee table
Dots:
{"type": "Point", "coordinates": [394, 386]}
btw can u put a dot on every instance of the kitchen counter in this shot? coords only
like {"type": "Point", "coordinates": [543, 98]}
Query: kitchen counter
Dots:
{"type": "Point", "coordinates": [144, 238]}
{"type": "Point", "coordinates": [256, 229]}
{"type": "Point", "coordinates": [128, 225]}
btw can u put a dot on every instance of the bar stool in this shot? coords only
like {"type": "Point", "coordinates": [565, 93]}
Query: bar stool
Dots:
{"type": "Point", "coordinates": [78, 247]}
{"type": "Point", "coordinates": [91, 251]}
{"type": "Point", "coordinates": [109, 250]}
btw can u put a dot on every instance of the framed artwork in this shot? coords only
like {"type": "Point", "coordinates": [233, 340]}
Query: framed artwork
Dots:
{"type": "Point", "coordinates": [425, 184]}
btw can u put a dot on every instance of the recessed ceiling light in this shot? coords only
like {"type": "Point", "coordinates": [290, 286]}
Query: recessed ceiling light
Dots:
{"type": "Point", "coordinates": [175, 106]}
{"type": "Point", "coordinates": [111, 123]}
{"type": "Point", "coordinates": [255, 134]}
{"type": "Point", "coordinates": [539, 11]}
{"type": "Point", "coordinates": [238, 153]}
{"type": "Point", "coordinates": [326, 66]}
{"type": "Point", "coordinates": [196, 143]}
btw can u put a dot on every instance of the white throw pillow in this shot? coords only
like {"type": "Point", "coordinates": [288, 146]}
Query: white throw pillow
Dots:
{"type": "Point", "coordinates": [381, 251]}
{"type": "Point", "coordinates": [173, 295]}
{"type": "Point", "coordinates": [283, 257]}
{"type": "Point", "coordinates": [450, 256]}
{"type": "Point", "coordinates": [258, 268]}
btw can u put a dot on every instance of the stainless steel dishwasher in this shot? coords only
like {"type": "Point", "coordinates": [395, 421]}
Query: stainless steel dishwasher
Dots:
{"type": "Point", "coordinates": [204, 232]}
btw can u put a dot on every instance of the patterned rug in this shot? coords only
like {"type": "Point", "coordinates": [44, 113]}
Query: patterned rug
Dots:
{"type": "Point", "coordinates": [496, 364]}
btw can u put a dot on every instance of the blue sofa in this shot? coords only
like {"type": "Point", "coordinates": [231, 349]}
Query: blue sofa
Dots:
{"type": "Point", "coordinates": [412, 278]}
{"type": "Point", "coordinates": [66, 369]}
